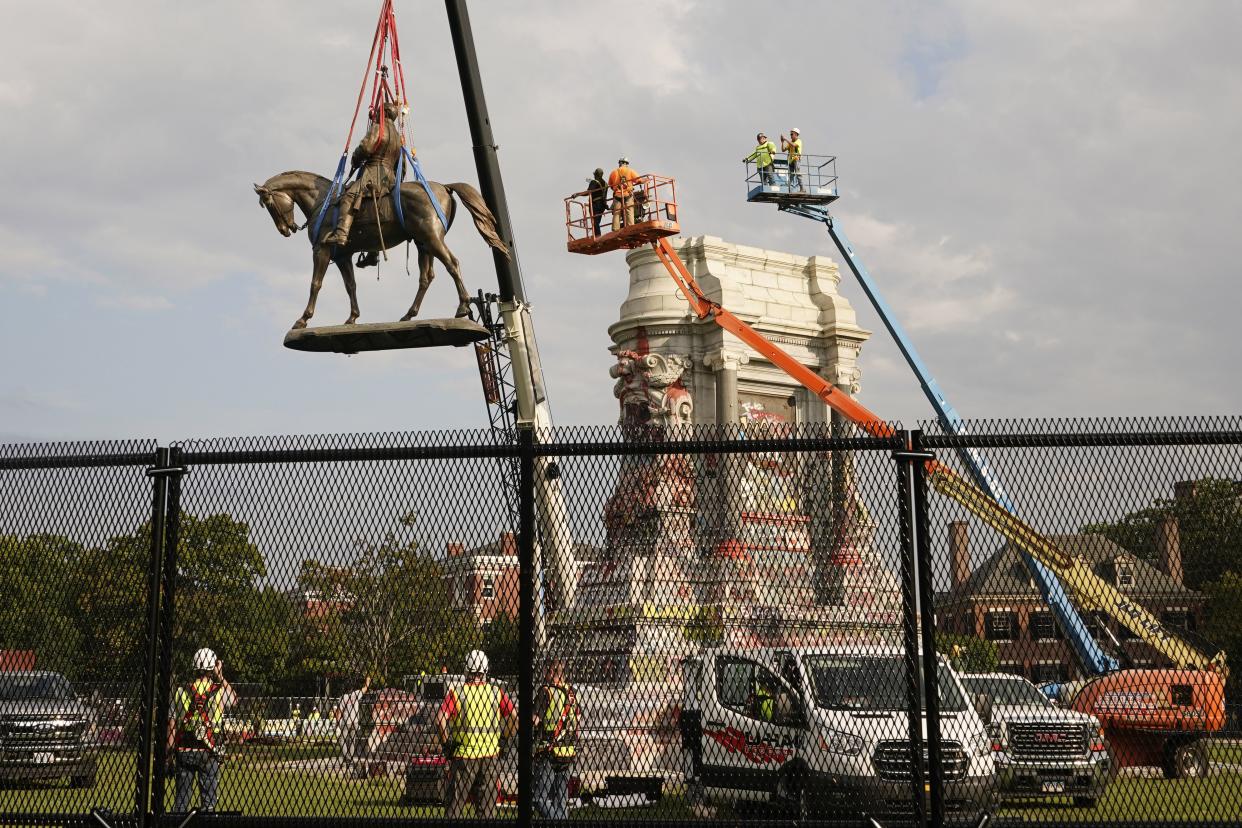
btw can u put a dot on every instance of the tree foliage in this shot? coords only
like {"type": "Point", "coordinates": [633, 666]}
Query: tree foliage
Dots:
{"type": "Point", "coordinates": [388, 612]}
{"type": "Point", "coordinates": [968, 654]}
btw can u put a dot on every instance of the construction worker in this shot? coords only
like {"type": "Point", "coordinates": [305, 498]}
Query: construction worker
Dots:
{"type": "Point", "coordinates": [622, 182]}
{"type": "Point", "coordinates": [471, 720]}
{"type": "Point", "coordinates": [377, 153]}
{"type": "Point", "coordinates": [762, 156]}
{"type": "Point", "coordinates": [347, 722]}
{"type": "Point", "coordinates": [194, 724]}
{"type": "Point", "coordinates": [556, 728]}
{"type": "Point", "coordinates": [597, 188]}
{"type": "Point", "coordinates": [793, 148]}
{"type": "Point", "coordinates": [762, 700]}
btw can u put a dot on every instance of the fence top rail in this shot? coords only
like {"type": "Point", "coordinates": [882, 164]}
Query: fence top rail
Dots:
{"type": "Point", "coordinates": [1082, 439]}
{"type": "Point", "coordinates": [78, 455]}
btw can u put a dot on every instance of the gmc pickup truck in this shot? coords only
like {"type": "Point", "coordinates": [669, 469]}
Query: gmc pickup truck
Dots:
{"type": "Point", "coordinates": [1040, 749]}
{"type": "Point", "coordinates": [45, 731]}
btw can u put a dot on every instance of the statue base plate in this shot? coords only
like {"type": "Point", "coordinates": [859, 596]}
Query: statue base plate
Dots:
{"type": "Point", "coordinates": [386, 336]}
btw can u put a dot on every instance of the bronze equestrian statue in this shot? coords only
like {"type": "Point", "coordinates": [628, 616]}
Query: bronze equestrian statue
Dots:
{"type": "Point", "coordinates": [368, 222]}
{"type": "Point", "coordinates": [377, 153]}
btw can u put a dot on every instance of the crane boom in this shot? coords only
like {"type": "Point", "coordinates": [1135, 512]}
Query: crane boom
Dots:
{"type": "Point", "coordinates": [1090, 588]}
{"type": "Point", "coordinates": [1094, 660]}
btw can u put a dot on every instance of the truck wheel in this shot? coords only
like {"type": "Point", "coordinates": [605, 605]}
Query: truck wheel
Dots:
{"type": "Point", "coordinates": [1084, 801]}
{"type": "Point", "coordinates": [791, 796]}
{"type": "Point", "coordinates": [1187, 760]}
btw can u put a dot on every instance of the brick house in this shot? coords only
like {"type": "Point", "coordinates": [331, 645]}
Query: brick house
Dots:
{"type": "Point", "coordinates": [998, 601]}
{"type": "Point", "coordinates": [484, 580]}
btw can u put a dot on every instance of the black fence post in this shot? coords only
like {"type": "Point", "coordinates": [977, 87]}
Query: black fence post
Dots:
{"type": "Point", "coordinates": [172, 472]}
{"type": "Point", "coordinates": [909, 625]}
{"type": "Point", "coordinates": [526, 624]}
{"type": "Point", "coordinates": [927, 612]}
{"type": "Point", "coordinates": [146, 768]}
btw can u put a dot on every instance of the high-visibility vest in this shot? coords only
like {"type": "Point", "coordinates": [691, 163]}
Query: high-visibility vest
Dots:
{"type": "Point", "coordinates": [762, 156]}
{"type": "Point", "coordinates": [560, 722]}
{"type": "Point", "coordinates": [476, 727]}
{"type": "Point", "coordinates": [622, 181]}
{"type": "Point", "coordinates": [764, 702]}
{"type": "Point", "coordinates": [795, 150]}
{"type": "Point", "coordinates": [200, 711]}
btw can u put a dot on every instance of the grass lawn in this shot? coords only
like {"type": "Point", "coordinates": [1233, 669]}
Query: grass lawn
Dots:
{"type": "Point", "coordinates": [1228, 753]}
{"type": "Point", "coordinates": [295, 781]}
{"type": "Point", "coordinates": [1154, 799]}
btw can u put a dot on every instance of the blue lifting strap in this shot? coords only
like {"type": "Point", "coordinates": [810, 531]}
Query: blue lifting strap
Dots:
{"type": "Point", "coordinates": [402, 161]}
{"type": "Point", "coordinates": [334, 190]}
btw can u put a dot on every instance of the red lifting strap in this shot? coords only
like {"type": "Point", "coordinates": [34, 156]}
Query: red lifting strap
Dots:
{"type": "Point", "coordinates": [385, 39]}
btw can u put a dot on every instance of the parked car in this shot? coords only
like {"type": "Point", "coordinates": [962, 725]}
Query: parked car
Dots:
{"type": "Point", "coordinates": [1041, 749]}
{"type": "Point", "coordinates": [824, 731]}
{"type": "Point", "coordinates": [46, 732]}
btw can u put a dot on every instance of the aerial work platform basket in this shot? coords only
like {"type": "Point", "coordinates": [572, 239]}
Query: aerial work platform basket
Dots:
{"type": "Point", "coordinates": [654, 205]}
{"type": "Point", "coordinates": [812, 181]}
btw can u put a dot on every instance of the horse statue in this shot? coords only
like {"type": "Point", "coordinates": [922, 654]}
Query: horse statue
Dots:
{"type": "Point", "coordinates": [377, 228]}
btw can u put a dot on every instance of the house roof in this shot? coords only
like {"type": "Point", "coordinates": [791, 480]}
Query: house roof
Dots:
{"type": "Point", "coordinates": [1004, 573]}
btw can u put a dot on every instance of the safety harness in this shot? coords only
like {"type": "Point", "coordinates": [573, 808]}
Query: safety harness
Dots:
{"type": "Point", "coordinates": [197, 731]}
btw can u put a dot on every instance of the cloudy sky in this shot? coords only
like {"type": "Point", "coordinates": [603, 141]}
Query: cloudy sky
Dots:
{"type": "Point", "coordinates": [1047, 193]}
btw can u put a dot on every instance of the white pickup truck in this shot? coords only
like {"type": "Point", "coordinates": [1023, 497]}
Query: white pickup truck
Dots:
{"type": "Point", "coordinates": [1040, 749]}
{"type": "Point", "coordinates": [823, 730]}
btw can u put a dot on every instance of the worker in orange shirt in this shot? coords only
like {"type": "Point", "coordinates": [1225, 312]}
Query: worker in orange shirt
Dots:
{"type": "Point", "coordinates": [622, 181]}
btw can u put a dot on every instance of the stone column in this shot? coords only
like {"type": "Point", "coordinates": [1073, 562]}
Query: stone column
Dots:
{"type": "Point", "coordinates": [724, 365]}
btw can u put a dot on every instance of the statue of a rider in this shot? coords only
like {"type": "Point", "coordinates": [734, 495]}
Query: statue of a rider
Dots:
{"type": "Point", "coordinates": [377, 153]}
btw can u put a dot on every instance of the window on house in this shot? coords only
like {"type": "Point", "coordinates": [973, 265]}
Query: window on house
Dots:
{"type": "Point", "coordinates": [1013, 668]}
{"type": "Point", "coordinates": [1125, 574]}
{"type": "Point", "coordinates": [489, 588]}
{"type": "Point", "coordinates": [1044, 627]}
{"type": "Point", "coordinates": [1000, 625]}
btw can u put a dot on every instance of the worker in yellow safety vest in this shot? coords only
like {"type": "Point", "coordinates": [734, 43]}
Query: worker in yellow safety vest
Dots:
{"type": "Point", "coordinates": [762, 156]}
{"type": "Point", "coordinates": [556, 726]}
{"type": "Point", "coordinates": [622, 181]}
{"type": "Point", "coordinates": [195, 737]}
{"type": "Point", "coordinates": [793, 149]}
{"type": "Point", "coordinates": [472, 719]}
{"type": "Point", "coordinates": [762, 699]}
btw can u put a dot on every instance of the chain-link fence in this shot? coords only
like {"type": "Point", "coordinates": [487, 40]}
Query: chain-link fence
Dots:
{"type": "Point", "coordinates": [1028, 624]}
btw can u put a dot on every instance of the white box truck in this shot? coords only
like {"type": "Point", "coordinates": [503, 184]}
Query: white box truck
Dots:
{"type": "Point", "coordinates": [824, 731]}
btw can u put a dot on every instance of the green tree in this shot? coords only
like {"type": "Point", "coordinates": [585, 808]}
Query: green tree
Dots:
{"type": "Point", "coordinates": [220, 602]}
{"type": "Point", "coordinates": [1224, 624]}
{"type": "Point", "coordinates": [386, 613]}
{"type": "Point", "coordinates": [968, 654]}
{"type": "Point", "coordinates": [110, 606]}
{"type": "Point", "coordinates": [500, 642]}
{"type": "Point", "coordinates": [37, 612]}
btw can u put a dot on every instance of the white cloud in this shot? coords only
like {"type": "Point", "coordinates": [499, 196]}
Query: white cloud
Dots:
{"type": "Point", "coordinates": [1041, 191]}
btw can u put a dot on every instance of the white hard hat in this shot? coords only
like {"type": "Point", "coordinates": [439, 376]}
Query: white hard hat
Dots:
{"type": "Point", "coordinates": [623, 160]}
{"type": "Point", "coordinates": [205, 659]}
{"type": "Point", "coordinates": [795, 129]}
{"type": "Point", "coordinates": [476, 662]}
